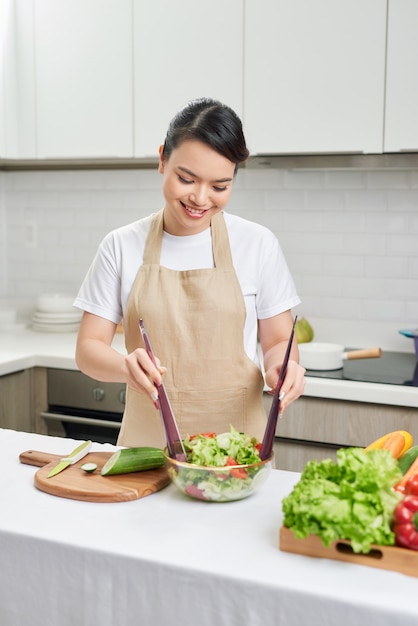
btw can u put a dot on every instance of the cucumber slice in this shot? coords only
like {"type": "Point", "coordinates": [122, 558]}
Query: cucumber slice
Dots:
{"type": "Point", "coordinates": [89, 467]}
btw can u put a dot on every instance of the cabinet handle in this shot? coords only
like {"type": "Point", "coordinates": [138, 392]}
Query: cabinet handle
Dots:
{"type": "Point", "coordinates": [75, 419]}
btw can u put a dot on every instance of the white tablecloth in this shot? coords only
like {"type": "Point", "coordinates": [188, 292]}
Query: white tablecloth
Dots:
{"type": "Point", "coordinates": [167, 559]}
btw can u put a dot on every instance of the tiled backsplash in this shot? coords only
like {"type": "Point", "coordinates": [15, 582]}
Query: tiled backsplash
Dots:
{"type": "Point", "coordinates": [350, 237]}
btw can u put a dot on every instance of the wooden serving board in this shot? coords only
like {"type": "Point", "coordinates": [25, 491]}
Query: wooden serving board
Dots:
{"type": "Point", "coordinates": [382, 557]}
{"type": "Point", "coordinates": [76, 484]}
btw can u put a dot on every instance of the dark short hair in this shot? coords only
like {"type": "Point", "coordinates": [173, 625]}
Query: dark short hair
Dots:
{"type": "Point", "coordinates": [212, 123]}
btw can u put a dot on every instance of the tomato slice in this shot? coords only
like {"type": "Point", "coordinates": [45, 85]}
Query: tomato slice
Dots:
{"type": "Point", "coordinates": [195, 492]}
{"type": "Point", "coordinates": [207, 435]}
{"type": "Point", "coordinates": [239, 472]}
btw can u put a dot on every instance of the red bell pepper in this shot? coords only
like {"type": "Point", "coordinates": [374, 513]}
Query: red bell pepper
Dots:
{"type": "Point", "coordinates": [405, 522]}
{"type": "Point", "coordinates": [411, 487]}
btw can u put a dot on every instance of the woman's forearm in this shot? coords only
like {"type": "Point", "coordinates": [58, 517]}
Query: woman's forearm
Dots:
{"type": "Point", "coordinates": [100, 361]}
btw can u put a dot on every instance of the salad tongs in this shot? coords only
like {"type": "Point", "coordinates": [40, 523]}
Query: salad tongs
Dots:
{"type": "Point", "coordinates": [268, 439]}
{"type": "Point", "coordinates": [174, 443]}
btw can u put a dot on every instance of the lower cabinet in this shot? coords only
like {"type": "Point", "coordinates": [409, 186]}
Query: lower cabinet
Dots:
{"type": "Point", "coordinates": [292, 455]}
{"type": "Point", "coordinates": [15, 401]}
{"type": "Point", "coordinates": [314, 428]}
{"type": "Point", "coordinates": [22, 397]}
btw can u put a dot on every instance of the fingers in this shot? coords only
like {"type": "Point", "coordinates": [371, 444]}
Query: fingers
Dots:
{"type": "Point", "coordinates": [293, 385]}
{"type": "Point", "coordinates": [143, 375]}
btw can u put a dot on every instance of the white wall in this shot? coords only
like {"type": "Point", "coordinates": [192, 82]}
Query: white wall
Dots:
{"type": "Point", "coordinates": [350, 238]}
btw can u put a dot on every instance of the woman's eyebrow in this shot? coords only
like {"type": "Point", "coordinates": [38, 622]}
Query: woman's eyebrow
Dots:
{"type": "Point", "coordinates": [193, 175]}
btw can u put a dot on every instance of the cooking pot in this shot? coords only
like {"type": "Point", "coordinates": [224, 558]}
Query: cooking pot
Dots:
{"type": "Point", "coordinates": [331, 356]}
{"type": "Point", "coordinates": [414, 335]}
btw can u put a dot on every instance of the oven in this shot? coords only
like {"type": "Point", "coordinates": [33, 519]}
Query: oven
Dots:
{"type": "Point", "coordinates": [83, 408]}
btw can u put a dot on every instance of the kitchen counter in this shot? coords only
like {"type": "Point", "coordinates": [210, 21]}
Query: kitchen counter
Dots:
{"type": "Point", "coordinates": [169, 559]}
{"type": "Point", "coordinates": [23, 348]}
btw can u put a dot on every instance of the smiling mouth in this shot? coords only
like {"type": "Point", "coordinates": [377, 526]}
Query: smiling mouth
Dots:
{"type": "Point", "coordinates": [193, 211]}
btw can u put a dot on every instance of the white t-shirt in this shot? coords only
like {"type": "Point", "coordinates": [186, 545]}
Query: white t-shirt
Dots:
{"type": "Point", "coordinates": [262, 272]}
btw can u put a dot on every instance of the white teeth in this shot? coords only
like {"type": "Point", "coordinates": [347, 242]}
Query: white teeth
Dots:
{"type": "Point", "coordinates": [195, 211]}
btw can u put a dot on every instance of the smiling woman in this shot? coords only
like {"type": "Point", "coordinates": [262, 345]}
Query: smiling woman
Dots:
{"type": "Point", "coordinates": [200, 279]}
{"type": "Point", "coordinates": [197, 184]}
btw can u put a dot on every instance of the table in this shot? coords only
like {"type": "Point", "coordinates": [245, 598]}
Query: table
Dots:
{"type": "Point", "coordinates": [168, 559]}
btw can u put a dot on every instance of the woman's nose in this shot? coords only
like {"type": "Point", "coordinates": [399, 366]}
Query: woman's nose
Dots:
{"type": "Point", "coordinates": [199, 195]}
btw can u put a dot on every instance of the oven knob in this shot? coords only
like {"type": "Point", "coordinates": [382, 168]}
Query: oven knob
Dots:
{"type": "Point", "coordinates": [122, 396]}
{"type": "Point", "coordinates": [98, 393]}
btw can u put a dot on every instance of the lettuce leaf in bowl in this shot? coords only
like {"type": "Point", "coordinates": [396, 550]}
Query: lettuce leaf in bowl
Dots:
{"type": "Point", "coordinates": [214, 450]}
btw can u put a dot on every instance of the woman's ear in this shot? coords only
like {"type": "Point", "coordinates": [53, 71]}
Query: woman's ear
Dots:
{"type": "Point", "coordinates": [161, 160]}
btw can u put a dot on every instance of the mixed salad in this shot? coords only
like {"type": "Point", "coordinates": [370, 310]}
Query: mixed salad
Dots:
{"type": "Point", "coordinates": [210, 456]}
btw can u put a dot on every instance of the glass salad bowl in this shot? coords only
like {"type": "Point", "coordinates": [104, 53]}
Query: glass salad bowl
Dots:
{"type": "Point", "coordinates": [218, 484]}
{"type": "Point", "coordinates": [212, 474]}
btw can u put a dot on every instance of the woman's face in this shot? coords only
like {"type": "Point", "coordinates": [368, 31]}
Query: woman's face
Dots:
{"type": "Point", "coordinates": [197, 183]}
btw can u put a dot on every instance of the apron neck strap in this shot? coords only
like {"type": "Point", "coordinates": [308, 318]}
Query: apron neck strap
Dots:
{"type": "Point", "coordinates": [220, 241]}
{"type": "Point", "coordinates": [152, 251]}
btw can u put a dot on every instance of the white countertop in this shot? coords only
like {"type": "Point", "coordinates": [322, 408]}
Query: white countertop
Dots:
{"type": "Point", "coordinates": [22, 348]}
{"type": "Point", "coordinates": [168, 559]}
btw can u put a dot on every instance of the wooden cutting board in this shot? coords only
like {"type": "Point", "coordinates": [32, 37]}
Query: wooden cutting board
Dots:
{"type": "Point", "coordinates": [382, 557]}
{"type": "Point", "coordinates": [76, 484]}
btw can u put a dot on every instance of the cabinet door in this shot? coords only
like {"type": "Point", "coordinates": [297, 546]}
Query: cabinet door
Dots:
{"type": "Point", "coordinates": [15, 133]}
{"type": "Point", "coordinates": [183, 50]}
{"type": "Point", "coordinates": [83, 51]}
{"type": "Point", "coordinates": [314, 75]}
{"type": "Point", "coordinates": [401, 127]}
{"type": "Point", "coordinates": [6, 48]}
{"type": "Point", "coordinates": [15, 401]}
{"type": "Point", "coordinates": [20, 113]}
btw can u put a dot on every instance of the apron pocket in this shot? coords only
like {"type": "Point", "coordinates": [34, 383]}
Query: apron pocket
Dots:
{"type": "Point", "coordinates": [202, 411]}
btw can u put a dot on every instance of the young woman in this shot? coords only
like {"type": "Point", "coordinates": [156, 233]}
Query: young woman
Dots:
{"type": "Point", "coordinates": [206, 284]}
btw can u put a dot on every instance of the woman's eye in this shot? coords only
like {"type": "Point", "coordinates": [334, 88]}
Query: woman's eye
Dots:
{"type": "Point", "coordinates": [186, 181]}
{"type": "Point", "coordinates": [220, 188]}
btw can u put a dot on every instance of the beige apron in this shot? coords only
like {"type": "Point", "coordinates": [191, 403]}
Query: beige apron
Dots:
{"type": "Point", "coordinates": [195, 322]}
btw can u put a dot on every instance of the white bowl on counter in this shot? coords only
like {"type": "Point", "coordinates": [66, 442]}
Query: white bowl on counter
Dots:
{"type": "Point", "coordinates": [55, 303]}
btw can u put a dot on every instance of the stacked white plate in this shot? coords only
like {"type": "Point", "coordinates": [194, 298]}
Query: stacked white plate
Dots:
{"type": "Point", "coordinates": [54, 314]}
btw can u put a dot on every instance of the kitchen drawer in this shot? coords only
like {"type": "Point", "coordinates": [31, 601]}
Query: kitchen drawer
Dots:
{"type": "Point", "coordinates": [342, 423]}
{"type": "Point", "coordinates": [293, 455]}
{"type": "Point", "coordinates": [15, 401]}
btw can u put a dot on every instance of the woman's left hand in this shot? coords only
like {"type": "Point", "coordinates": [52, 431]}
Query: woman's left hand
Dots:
{"type": "Point", "coordinates": [293, 385]}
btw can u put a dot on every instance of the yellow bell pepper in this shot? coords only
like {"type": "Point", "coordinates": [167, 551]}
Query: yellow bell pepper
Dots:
{"type": "Point", "coordinates": [398, 442]}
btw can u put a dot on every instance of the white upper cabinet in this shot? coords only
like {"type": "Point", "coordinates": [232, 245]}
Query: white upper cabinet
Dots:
{"type": "Point", "coordinates": [6, 69]}
{"type": "Point", "coordinates": [22, 115]}
{"type": "Point", "coordinates": [401, 128]}
{"type": "Point", "coordinates": [17, 105]}
{"type": "Point", "coordinates": [93, 79]}
{"type": "Point", "coordinates": [183, 50]}
{"type": "Point", "coordinates": [314, 75]}
{"type": "Point", "coordinates": [83, 93]}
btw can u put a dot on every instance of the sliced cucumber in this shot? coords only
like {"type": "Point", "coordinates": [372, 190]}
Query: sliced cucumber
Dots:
{"type": "Point", "coordinates": [89, 467]}
{"type": "Point", "coordinates": [130, 460]}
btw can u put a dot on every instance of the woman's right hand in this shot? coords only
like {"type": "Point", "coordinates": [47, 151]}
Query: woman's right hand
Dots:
{"type": "Point", "coordinates": [142, 375]}
{"type": "Point", "coordinates": [96, 357]}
